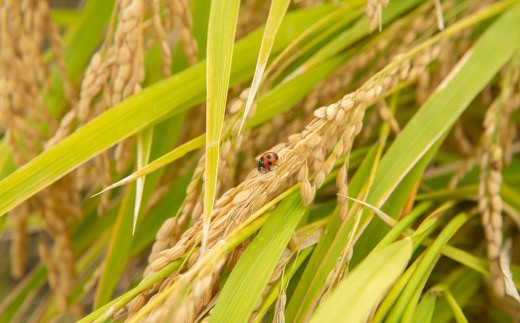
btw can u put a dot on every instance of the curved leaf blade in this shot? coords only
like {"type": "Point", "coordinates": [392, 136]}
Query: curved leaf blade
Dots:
{"type": "Point", "coordinates": [417, 280]}
{"type": "Point", "coordinates": [355, 297]}
{"type": "Point", "coordinates": [274, 20]}
{"type": "Point", "coordinates": [254, 268]}
{"type": "Point", "coordinates": [221, 38]}
{"type": "Point", "coordinates": [162, 161]}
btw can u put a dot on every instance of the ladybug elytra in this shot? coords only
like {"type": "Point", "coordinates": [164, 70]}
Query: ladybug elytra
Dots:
{"type": "Point", "coordinates": [267, 160]}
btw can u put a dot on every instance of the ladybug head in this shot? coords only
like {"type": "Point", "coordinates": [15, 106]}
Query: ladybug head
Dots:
{"type": "Point", "coordinates": [261, 164]}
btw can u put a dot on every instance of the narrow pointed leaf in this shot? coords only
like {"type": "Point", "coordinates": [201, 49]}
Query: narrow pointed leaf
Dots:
{"type": "Point", "coordinates": [144, 147]}
{"type": "Point", "coordinates": [254, 268]}
{"type": "Point", "coordinates": [221, 38]}
{"type": "Point", "coordinates": [118, 251]}
{"type": "Point", "coordinates": [417, 279]}
{"type": "Point", "coordinates": [463, 284]}
{"type": "Point", "coordinates": [274, 20]}
{"type": "Point", "coordinates": [425, 308]}
{"type": "Point", "coordinates": [355, 297]}
{"type": "Point", "coordinates": [160, 162]}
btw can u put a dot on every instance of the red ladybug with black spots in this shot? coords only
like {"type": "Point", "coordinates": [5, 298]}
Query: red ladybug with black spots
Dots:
{"type": "Point", "coordinates": [267, 160]}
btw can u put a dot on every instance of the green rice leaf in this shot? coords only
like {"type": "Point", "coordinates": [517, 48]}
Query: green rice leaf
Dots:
{"type": "Point", "coordinates": [254, 268]}
{"type": "Point", "coordinates": [160, 162]}
{"type": "Point", "coordinates": [144, 147]}
{"type": "Point", "coordinates": [463, 284]}
{"type": "Point", "coordinates": [354, 298]}
{"type": "Point", "coordinates": [282, 282]}
{"type": "Point", "coordinates": [80, 43]}
{"type": "Point", "coordinates": [425, 308]}
{"type": "Point", "coordinates": [395, 291]}
{"type": "Point", "coordinates": [274, 20]}
{"type": "Point", "coordinates": [455, 308]}
{"type": "Point", "coordinates": [6, 159]}
{"type": "Point", "coordinates": [402, 225]}
{"type": "Point", "coordinates": [129, 295]}
{"type": "Point", "coordinates": [65, 17]}
{"type": "Point", "coordinates": [417, 280]}
{"type": "Point", "coordinates": [305, 42]}
{"type": "Point", "coordinates": [118, 250]}
{"type": "Point", "coordinates": [164, 209]}
{"type": "Point", "coordinates": [16, 299]}
{"type": "Point", "coordinates": [221, 37]}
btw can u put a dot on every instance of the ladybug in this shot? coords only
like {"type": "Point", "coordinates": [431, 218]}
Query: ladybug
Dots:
{"type": "Point", "coordinates": [267, 160]}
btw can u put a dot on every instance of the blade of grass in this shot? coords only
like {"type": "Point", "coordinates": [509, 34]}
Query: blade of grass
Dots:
{"type": "Point", "coordinates": [164, 136]}
{"type": "Point", "coordinates": [396, 290]}
{"type": "Point", "coordinates": [455, 308]}
{"type": "Point", "coordinates": [144, 147]}
{"type": "Point", "coordinates": [160, 162]}
{"type": "Point", "coordinates": [6, 159]}
{"type": "Point", "coordinates": [118, 250]}
{"type": "Point", "coordinates": [161, 137]}
{"type": "Point", "coordinates": [65, 17]}
{"type": "Point", "coordinates": [200, 13]}
{"type": "Point", "coordinates": [465, 258]}
{"type": "Point", "coordinates": [164, 209]}
{"type": "Point", "coordinates": [249, 277]}
{"type": "Point", "coordinates": [422, 269]}
{"type": "Point", "coordinates": [463, 284]}
{"type": "Point", "coordinates": [289, 272]}
{"type": "Point", "coordinates": [416, 295]}
{"type": "Point", "coordinates": [15, 300]}
{"type": "Point", "coordinates": [221, 38]}
{"type": "Point", "coordinates": [274, 20]}
{"type": "Point", "coordinates": [355, 297]}
{"type": "Point", "coordinates": [402, 225]}
{"type": "Point", "coordinates": [324, 27]}
{"type": "Point", "coordinates": [424, 311]}
{"type": "Point", "coordinates": [80, 44]}
{"type": "Point", "coordinates": [3, 221]}
{"type": "Point", "coordinates": [128, 296]}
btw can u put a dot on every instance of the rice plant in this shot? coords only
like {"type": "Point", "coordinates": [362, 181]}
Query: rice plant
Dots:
{"type": "Point", "coordinates": [259, 161]}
